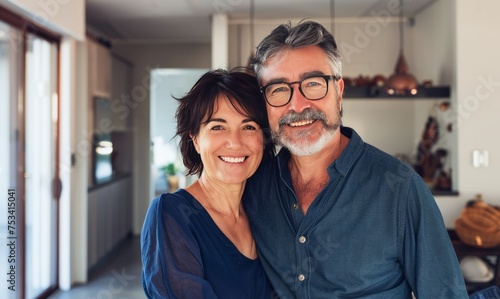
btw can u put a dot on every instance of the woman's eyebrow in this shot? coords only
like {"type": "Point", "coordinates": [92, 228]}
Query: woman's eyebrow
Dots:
{"type": "Point", "coordinates": [221, 120]}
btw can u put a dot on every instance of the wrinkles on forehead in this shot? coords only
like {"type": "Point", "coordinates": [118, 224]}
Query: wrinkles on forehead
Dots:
{"type": "Point", "coordinates": [273, 59]}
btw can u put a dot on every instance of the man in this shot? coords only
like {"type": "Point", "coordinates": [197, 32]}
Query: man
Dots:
{"type": "Point", "coordinates": [332, 216]}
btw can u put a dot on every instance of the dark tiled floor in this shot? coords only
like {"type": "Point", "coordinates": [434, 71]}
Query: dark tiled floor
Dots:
{"type": "Point", "coordinates": [119, 277]}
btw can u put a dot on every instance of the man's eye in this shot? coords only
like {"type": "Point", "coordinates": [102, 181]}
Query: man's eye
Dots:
{"type": "Point", "coordinates": [312, 84]}
{"type": "Point", "coordinates": [279, 89]}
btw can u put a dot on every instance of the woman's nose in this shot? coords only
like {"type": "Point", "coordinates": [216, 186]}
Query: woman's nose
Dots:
{"type": "Point", "coordinates": [234, 140]}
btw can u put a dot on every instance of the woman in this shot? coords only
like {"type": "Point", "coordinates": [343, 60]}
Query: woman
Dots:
{"type": "Point", "coordinates": [196, 242]}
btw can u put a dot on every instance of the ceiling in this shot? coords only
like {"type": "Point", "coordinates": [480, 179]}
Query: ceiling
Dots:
{"type": "Point", "coordinates": [189, 20]}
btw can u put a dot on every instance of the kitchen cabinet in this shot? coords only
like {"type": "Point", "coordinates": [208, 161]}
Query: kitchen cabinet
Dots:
{"type": "Point", "coordinates": [99, 58]}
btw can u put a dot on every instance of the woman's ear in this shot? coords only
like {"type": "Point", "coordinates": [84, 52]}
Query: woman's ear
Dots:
{"type": "Point", "coordinates": [195, 143]}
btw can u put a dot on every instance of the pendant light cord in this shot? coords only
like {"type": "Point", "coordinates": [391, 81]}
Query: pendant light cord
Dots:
{"type": "Point", "coordinates": [252, 13]}
{"type": "Point", "coordinates": [401, 34]}
{"type": "Point", "coordinates": [332, 17]}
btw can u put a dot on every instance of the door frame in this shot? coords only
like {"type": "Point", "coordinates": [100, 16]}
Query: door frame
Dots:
{"type": "Point", "coordinates": [26, 26]}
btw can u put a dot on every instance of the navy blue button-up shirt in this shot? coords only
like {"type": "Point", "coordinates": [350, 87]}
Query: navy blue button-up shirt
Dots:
{"type": "Point", "coordinates": [374, 231]}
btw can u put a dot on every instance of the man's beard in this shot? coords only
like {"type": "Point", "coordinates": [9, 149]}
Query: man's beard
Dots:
{"type": "Point", "coordinates": [301, 146]}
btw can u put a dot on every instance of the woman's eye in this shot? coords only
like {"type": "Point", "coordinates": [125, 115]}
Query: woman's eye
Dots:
{"type": "Point", "coordinates": [217, 128]}
{"type": "Point", "coordinates": [250, 127]}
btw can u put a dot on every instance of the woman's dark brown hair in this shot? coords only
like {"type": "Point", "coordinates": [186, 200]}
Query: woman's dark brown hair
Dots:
{"type": "Point", "coordinates": [197, 105]}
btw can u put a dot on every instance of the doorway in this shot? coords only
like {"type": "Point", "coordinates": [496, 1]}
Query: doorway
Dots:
{"type": "Point", "coordinates": [165, 85]}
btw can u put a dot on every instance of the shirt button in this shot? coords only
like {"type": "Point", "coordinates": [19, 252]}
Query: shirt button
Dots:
{"type": "Point", "coordinates": [295, 205]}
{"type": "Point", "coordinates": [301, 277]}
{"type": "Point", "coordinates": [302, 239]}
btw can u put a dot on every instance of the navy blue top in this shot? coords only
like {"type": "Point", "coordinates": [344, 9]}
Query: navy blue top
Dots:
{"type": "Point", "coordinates": [186, 255]}
{"type": "Point", "coordinates": [374, 231]}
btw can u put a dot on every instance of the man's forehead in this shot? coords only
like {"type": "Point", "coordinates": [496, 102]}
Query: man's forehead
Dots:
{"type": "Point", "coordinates": [294, 64]}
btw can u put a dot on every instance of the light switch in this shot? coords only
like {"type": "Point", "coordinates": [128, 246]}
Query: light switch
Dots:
{"type": "Point", "coordinates": [480, 158]}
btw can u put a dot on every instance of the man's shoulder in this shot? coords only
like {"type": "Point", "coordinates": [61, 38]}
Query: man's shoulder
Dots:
{"type": "Point", "coordinates": [377, 159]}
{"type": "Point", "coordinates": [266, 167]}
{"type": "Point", "coordinates": [366, 155]}
{"type": "Point", "coordinates": [386, 161]}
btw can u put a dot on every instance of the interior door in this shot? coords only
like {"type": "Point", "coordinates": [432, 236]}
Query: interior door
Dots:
{"type": "Point", "coordinates": [41, 155]}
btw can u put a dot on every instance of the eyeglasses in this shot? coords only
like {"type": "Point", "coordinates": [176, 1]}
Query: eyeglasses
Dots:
{"type": "Point", "coordinates": [312, 88]}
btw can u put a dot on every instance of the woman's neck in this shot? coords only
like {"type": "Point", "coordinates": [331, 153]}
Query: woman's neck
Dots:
{"type": "Point", "coordinates": [220, 198]}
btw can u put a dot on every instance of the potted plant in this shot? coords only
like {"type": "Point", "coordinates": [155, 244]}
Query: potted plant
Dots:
{"type": "Point", "coordinates": [170, 171]}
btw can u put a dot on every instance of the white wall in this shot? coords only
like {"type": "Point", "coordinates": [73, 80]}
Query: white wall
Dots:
{"type": "Point", "coordinates": [433, 47]}
{"type": "Point", "coordinates": [66, 17]}
{"type": "Point", "coordinates": [478, 102]}
{"type": "Point", "coordinates": [370, 45]}
{"type": "Point", "coordinates": [146, 57]}
{"type": "Point", "coordinates": [73, 164]}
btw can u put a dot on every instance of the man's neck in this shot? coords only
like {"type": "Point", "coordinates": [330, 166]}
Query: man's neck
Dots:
{"type": "Point", "coordinates": [311, 166]}
{"type": "Point", "coordinates": [310, 173]}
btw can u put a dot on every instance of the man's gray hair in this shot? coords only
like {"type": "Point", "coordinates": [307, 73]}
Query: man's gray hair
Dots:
{"type": "Point", "coordinates": [286, 36]}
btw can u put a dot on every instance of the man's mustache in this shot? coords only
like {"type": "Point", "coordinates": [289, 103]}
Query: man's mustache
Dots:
{"type": "Point", "coordinates": [307, 114]}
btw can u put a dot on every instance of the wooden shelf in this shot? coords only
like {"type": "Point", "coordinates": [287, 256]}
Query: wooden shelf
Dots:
{"type": "Point", "coordinates": [444, 193]}
{"type": "Point", "coordinates": [463, 250]}
{"type": "Point", "coordinates": [379, 92]}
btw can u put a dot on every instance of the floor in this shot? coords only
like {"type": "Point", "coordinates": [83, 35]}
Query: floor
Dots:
{"type": "Point", "coordinates": [119, 277]}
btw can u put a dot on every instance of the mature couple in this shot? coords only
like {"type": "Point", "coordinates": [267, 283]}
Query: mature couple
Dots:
{"type": "Point", "coordinates": [331, 216]}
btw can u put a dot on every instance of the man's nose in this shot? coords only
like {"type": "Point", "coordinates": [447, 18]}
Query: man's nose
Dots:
{"type": "Point", "coordinates": [298, 102]}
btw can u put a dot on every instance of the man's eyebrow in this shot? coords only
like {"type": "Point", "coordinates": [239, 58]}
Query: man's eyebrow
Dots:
{"type": "Point", "coordinates": [311, 74]}
{"type": "Point", "coordinates": [302, 76]}
{"type": "Point", "coordinates": [277, 80]}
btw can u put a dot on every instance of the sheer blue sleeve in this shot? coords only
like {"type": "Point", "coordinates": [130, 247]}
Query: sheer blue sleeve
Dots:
{"type": "Point", "coordinates": [171, 260]}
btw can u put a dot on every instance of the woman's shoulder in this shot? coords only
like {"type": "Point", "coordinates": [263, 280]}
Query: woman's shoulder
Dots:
{"type": "Point", "coordinates": [170, 208]}
{"type": "Point", "coordinates": [171, 202]}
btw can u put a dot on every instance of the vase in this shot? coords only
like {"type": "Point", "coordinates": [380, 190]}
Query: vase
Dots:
{"type": "Point", "coordinates": [173, 183]}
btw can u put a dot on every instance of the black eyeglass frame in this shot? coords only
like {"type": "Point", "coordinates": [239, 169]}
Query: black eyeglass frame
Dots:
{"type": "Point", "coordinates": [326, 77]}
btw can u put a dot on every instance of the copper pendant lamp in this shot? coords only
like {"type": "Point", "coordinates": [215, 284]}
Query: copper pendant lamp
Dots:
{"type": "Point", "coordinates": [401, 82]}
